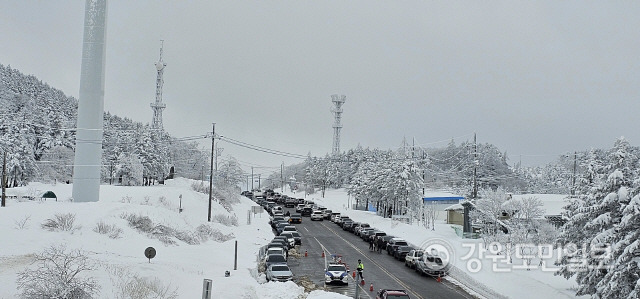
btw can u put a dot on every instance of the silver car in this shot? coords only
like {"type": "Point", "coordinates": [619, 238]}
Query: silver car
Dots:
{"type": "Point", "coordinates": [279, 272]}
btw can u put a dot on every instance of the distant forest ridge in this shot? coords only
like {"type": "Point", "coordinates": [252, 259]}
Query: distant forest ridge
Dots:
{"type": "Point", "coordinates": [37, 131]}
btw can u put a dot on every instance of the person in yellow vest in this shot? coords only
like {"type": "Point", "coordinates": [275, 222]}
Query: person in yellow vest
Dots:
{"type": "Point", "coordinates": [360, 269]}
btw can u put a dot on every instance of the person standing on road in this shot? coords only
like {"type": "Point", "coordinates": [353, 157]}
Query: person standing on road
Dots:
{"type": "Point", "coordinates": [370, 243]}
{"type": "Point", "coordinates": [379, 245]}
{"type": "Point", "coordinates": [360, 269]}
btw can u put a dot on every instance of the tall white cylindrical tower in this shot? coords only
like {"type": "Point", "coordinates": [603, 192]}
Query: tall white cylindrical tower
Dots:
{"type": "Point", "coordinates": [87, 162]}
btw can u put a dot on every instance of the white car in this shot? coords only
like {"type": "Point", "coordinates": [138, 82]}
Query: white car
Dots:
{"type": "Point", "coordinates": [317, 215]}
{"type": "Point", "coordinates": [279, 272]}
{"type": "Point", "coordinates": [336, 273]}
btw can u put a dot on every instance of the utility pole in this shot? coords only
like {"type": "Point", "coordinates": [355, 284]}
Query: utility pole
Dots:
{"type": "Point", "coordinates": [573, 185]}
{"type": "Point", "coordinates": [424, 165]}
{"type": "Point", "coordinates": [259, 181]}
{"type": "Point", "coordinates": [282, 178]}
{"type": "Point", "coordinates": [251, 178]}
{"type": "Point", "coordinates": [213, 134]}
{"type": "Point", "coordinates": [4, 179]}
{"type": "Point", "coordinates": [413, 147]}
{"type": "Point", "coordinates": [110, 172]}
{"type": "Point", "coordinates": [475, 167]}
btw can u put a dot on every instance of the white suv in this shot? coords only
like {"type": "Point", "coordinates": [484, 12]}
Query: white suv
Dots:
{"type": "Point", "coordinates": [317, 215]}
{"type": "Point", "coordinates": [336, 273]}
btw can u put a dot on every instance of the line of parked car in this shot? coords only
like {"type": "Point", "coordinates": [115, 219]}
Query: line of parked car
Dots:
{"type": "Point", "coordinates": [413, 257]}
{"type": "Point", "coordinates": [275, 254]}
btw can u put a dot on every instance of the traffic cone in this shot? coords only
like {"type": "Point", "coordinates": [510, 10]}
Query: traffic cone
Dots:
{"type": "Point", "coordinates": [354, 274]}
{"type": "Point", "coordinates": [305, 253]}
{"type": "Point", "coordinates": [439, 279]}
{"type": "Point", "coordinates": [371, 288]}
{"type": "Point", "coordinates": [323, 253]}
{"type": "Point", "coordinates": [362, 282]}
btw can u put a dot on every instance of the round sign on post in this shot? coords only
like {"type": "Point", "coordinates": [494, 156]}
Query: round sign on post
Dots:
{"type": "Point", "coordinates": [150, 253]}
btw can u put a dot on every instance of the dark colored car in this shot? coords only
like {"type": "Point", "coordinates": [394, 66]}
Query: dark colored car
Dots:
{"type": "Point", "coordinates": [347, 224]}
{"type": "Point", "coordinates": [392, 294]}
{"type": "Point", "coordinates": [295, 218]}
{"type": "Point", "coordinates": [275, 221]}
{"type": "Point", "coordinates": [290, 202]}
{"type": "Point", "coordinates": [273, 259]}
{"type": "Point", "coordinates": [283, 243]}
{"type": "Point", "coordinates": [296, 236]}
{"type": "Point", "coordinates": [385, 241]}
{"type": "Point", "coordinates": [306, 212]}
{"type": "Point", "coordinates": [394, 244]}
{"type": "Point", "coordinates": [377, 234]}
{"type": "Point", "coordinates": [352, 226]}
{"type": "Point", "coordinates": [364, 234]}
{"type": "Point", "coordinates": [401, 252]}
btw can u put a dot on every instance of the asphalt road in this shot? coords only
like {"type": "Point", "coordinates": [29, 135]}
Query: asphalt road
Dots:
{"type": "Point", "coordinates": [380, 270]}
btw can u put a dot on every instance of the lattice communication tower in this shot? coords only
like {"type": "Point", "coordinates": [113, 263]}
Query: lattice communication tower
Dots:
{"type": "Point", "coordinates": [338, 101]}
{"type": "Point", "coordinates": [158, 105]}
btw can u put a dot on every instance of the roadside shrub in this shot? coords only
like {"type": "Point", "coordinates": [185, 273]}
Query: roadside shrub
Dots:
{"type": "Point", "coordinates": [188, 237]}
{"type": "Point", "coordinates": [58, 274]}
{"type": "Point", "coordinates": [226, 220]}
{"type": "Point", "coordinates": [206, 232]}
{"type": "Point", "coordinates": [200, 187]}
{"type": "Point", "coordinates": [132, 286]}
{"type": "Point", "coordinates": [139, 222]}
{"type": "Point", "coordinates": [110, 230]}
{"type": "Point", "coordinates": [167, 234]}
{"type": "Point", "coordinates": [60, 222]}
{"type": "Point", "coordinates": [126, 199]}
{"type": "Point", "coordinates": [22, 223]}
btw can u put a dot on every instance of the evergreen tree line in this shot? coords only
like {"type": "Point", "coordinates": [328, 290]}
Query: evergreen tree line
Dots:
{"type": "Point", "coordinates": [37, 133]}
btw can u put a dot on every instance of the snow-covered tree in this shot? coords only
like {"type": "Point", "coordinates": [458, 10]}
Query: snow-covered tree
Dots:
{"type": "Point", "coordinates": [130, 170]}
{"type": "Point", "coordinates": [601, 224]}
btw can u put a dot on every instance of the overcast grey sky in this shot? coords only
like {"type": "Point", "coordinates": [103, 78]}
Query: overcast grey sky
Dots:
{"type": "Point", "coordinates": [535, 78]}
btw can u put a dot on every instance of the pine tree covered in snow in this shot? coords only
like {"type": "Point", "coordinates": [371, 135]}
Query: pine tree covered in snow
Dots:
{"type": "Point", "coordinates": [603, 229]}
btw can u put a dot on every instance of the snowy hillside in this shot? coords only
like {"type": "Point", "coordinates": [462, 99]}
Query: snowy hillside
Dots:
{"type": "Point", "coordinates": [188, 248]}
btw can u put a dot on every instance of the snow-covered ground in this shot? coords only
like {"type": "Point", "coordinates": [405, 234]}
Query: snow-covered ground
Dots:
{"type": "Point", "coordinates": [518, 282]}
{"type": "Point", "coordinates": [180, 266]}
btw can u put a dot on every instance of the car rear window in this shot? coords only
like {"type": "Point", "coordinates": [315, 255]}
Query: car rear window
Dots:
{"type": "Point", "coordinates": [400, 243]}
{"type": "Point", "coordinates": [276, 258]}
{"type": "Point", "coordinates": [280, 268]}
